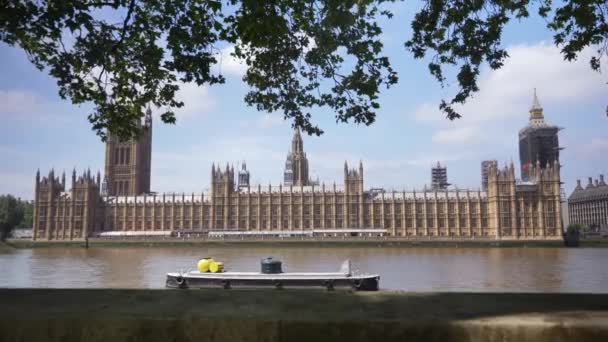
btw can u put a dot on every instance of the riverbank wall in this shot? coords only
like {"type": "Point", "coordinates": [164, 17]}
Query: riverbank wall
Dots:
{"type": "Point", "coordinates": [282, 315]}
{"type": "Point", "coordinates": [294, 242]}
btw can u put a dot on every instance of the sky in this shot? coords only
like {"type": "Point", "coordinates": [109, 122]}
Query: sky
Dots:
{"type": "Point", "coordinates": [38, 130]}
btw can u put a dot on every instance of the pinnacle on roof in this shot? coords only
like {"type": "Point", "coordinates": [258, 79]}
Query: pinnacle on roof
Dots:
{"type": "Point", "coordinates": [535, 103]}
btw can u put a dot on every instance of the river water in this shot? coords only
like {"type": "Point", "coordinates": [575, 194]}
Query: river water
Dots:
{"type": "Point", "coordinates": [412, 269]}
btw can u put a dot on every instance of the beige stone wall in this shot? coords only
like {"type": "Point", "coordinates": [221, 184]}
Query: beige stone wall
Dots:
{"type": "Point", "coordinates": [506, 210]}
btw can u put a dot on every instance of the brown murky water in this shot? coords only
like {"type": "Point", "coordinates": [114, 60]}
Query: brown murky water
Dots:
{"type": "Point", "coordinates": [414, 269]}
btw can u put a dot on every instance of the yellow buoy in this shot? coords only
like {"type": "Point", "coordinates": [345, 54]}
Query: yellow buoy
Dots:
{"type": "Point", "coordinates": [216, 267]}
{"type": "Point", "coordinates": [203, 265]}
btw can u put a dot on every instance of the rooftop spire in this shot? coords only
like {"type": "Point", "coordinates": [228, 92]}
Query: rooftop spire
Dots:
{"type": "Point", "coordinates": [535, 102]}
{"type": "Point", "coordinates": [536, 111]}
{"type": "Point", "coordinates": [296, 143]}
{"type": "Point", "coordinates": [148, 117]}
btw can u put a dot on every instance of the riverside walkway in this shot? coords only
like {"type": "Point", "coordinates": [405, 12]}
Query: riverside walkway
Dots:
{"type": "Point", "coordinates": [273, 315]}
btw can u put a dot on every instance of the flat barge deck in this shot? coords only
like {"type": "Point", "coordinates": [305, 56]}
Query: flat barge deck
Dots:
{"type": "Point", "coordinates": [344, 279]}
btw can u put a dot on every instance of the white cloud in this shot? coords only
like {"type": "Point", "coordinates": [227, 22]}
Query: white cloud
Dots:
{"type": "Point", "coordinates": [506, 94]}
{"type": "Point", "coordinates": [197, 101]}
{"type": "Point", "coordinates": [228, 64]}
{"type": "Point", "coordinates": [460, 135]}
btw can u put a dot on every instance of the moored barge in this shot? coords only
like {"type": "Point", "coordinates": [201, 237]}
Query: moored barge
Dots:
{"type": "Point", "coordinates": [271, 276]}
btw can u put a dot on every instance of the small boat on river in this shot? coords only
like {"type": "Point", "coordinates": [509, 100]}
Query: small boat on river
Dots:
{"type": "Point", "coordinates": [210, 274]}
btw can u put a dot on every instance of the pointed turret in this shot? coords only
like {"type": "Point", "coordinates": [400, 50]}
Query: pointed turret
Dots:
{"type": "Point", "coordinates": [98, 180]}
{"type": "Point", "coordinates": [104, 186]}
{"type": "Point", "coordinates": [63, 179]}
{"type": "Point", "coordinates": [148, 118]}
{"type": "Point", "coordinates": [73, 176]}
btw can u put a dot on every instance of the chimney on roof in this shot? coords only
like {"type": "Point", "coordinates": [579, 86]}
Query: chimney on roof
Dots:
{"type": "Point", "coordinates": [602, 183]}
{"type": "Point", "coordinates": [590, 183]}
{"type": "Point", "coordinates": [597, 183]}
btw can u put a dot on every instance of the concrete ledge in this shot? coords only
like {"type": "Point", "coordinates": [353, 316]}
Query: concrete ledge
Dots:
{"type": "Point", "coordinates": [231, 315]}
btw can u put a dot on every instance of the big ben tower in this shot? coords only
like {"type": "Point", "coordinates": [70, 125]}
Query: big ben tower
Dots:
{"type": "Point", "coordinates": [538, 141]}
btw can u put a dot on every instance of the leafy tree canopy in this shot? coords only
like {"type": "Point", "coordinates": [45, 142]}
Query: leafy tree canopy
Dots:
{"type": "Point", "coordinates": [300, 54]}
{"type": "Point", "coordinates": [11, 213]}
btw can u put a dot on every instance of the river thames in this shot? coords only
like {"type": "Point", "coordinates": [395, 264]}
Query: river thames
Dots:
{"type": "Point", "coordinates": [412, 269]}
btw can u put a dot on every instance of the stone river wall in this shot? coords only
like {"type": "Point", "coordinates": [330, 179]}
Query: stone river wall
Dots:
{"type": "Point", "coordinates": [280, 315]}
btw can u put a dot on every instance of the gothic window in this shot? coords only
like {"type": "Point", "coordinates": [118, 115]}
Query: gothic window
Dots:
{"type": "Point", "coordinates": [451, 208]}
{"type": "Point", "coordinates": [116, 155]}
{"type": "Point", "coordinates": [126, 190]}
{"type": "Point", "coordinates": [504, 189]}
{"type": "Point", "coordinates": [408, 208]}
{"type": "Point", "coordinates": [127, 155]}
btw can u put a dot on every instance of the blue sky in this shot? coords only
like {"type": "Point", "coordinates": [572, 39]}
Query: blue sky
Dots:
{"type": "Point", "coordinates": [39, 130]}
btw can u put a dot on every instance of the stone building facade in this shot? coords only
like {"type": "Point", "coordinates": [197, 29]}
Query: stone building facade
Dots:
{"type": "Point", "coordinates": [508, 209]}
{"type": "Point", "coordinates": [589, 206]}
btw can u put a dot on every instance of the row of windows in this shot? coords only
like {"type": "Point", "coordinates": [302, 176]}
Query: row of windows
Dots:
{"type": "Point", "coordinates": [122, 156]}
{"type": "Point", "coordinates": [121, 188]}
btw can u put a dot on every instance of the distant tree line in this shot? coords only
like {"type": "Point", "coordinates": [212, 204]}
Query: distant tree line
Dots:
{"type": "Point", "coordinates": [14, 213]}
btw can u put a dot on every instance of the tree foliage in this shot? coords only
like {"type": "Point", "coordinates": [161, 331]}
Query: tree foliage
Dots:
{"type": "Point", "coordinates": [301, 55]}
{"type": "Point", "coordinates": [11, 213]}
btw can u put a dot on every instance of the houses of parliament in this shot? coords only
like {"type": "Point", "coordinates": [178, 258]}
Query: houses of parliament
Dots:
{"type": "Point", "coordinates": [121, 203]}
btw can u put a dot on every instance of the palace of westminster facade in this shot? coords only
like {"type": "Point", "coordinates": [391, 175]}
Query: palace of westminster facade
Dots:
{"type": "Point", "coordinates": [506, 208]}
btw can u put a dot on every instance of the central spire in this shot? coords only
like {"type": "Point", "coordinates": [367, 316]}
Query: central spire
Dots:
{"type": "Point", "coordinates": [297, 145]}
{"type": "Point", "coordinates": [296, 164]}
